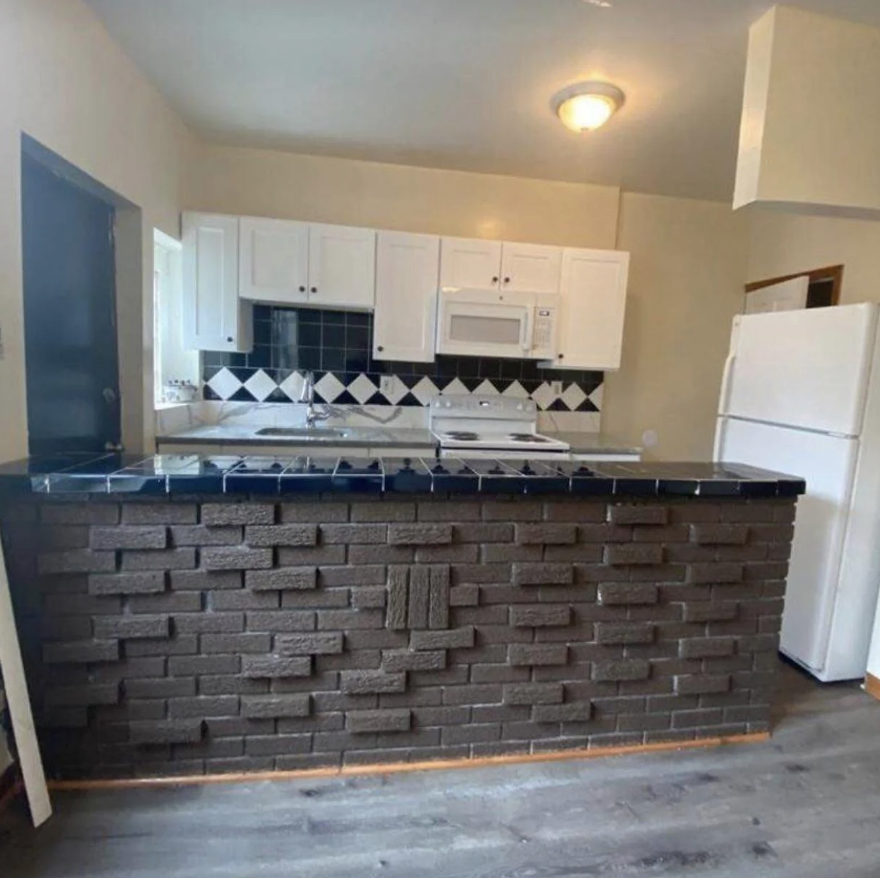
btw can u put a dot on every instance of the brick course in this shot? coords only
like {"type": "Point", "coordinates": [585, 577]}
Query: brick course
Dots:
{"type": "Point", "coordinates": [186, 636]}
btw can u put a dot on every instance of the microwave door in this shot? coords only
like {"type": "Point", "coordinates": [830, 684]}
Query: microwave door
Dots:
{"type": "Point", "coordinates": [484, 330]}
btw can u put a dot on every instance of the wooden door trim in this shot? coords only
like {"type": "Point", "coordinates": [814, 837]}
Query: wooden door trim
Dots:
{"type": "Point", "coordinates": [830, 272]}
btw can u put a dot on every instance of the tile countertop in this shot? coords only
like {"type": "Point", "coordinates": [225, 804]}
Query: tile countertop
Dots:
{"type": "Point", "coordinates": [165, 474]}
{"type": "Point", "coordinates": [593, 443]}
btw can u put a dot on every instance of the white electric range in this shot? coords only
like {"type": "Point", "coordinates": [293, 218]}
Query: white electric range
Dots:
{"type": "Point", "coordinates": [493, 427]}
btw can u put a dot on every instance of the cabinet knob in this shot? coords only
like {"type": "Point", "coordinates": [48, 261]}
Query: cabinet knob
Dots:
{"type": "Point", "coordinates": [562, 356]}
{"type": "Point", "coordinates": [380, 349]}
{"type": "Point", "coordinates": [302, 289]}
{"type": "Point", "coordinates": [495, 280]}
{"type": "Point", "coordinates": [314, 290]}
{"type": "Point", "coordinates": [229, 339]}
{"type": "Point", "coordinates": [507, 280]}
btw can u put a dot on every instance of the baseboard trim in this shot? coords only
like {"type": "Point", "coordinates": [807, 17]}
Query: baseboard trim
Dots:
{"type": "Point", "coordinates": [872, 686]}
{"type": "Point", "coordinates": [405, 767]}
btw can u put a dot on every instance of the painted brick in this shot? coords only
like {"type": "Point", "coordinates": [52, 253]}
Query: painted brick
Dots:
{"type": "Point", "coordinates": [309, 556]}
{"type": "Point", "coordinates": [322, 599]}
{"type": "Point", "coordinates": [328, 643]}
{"type": "Point", "coordinates": [512, 510]}
{"type": "Point", "coordinates": [360, 722]}
{"type": "Point", "coordinates": [532, 616]}
{"type": "Point", "coordinates": [698, 684]}
{"type": "Point", "coordinates": [202, 707]}
{"type": "Point", "coordinates": [398, 591]}
{"type": "Point", "coordinates": [404, 660]}
{"type": "Point", "coordinates": [419, 597]}
{"type": "Point", "coordinates": [76, 561]}
{"type": "Point", "coordinates": [81, 652]}
{"type": "Point", "coordinates": [419, 534]}
{"type": "Point", "coordinates": [387, 511]}
{"type": "Point", "coordinates": [671, 534]}
{"type": "Point", "coordinates": [82, 696]}
{"type": "Point", "coordinates": [528, 654]}
{"type": "Point", "coordinates": [329, 620]}
{"type": "Point", "coordinates": [604, 533]}
{"type": "Point", "coordinates": [152, 582]}
{"type": "Point", "coordinates": [627, 594]}
{"type": "Point", "coordinates": [710, 611]}
{"type": "Point", "coordinates": [462, 553]}
{"type": "Point", "coordinates": [184, 644]}
{"type": "Point", "coordinates": [234, 643]}
{"type": "Point", "coordinates": [160, 687]}
{"type": "Point", "coordinates": [610, 633]}
{"type": "Point", "coordinates": [235, 558]}
{"type": "Point", "coordinates": [129, 538]}
{"type": "Point", "coordinates": [482, 533]}
{"type": "Point", "coordinates": [457, 638]}
{"type": "Point", "coordinates": [624, 669]}
{"type": "Point", "coordinates": [275, 667]}
{"type": "Point", "coordinates": [79, 513]}
{"type": "Point", "coordinates": [633, 553]}
{"type": "Point", "coordinates": [353, 533]}
{"type": "Point", "coordinates": [334, 577]}
{"type": "Point", "coordinates": [179, 732]}
{"type": "Point", "coordinates": [196, 665]}
{"type": "Point", "coordinates": [574, 712]}
{"type": "Point", "coordinates": [464, 596]}
{"type": "Point", "coordinates": [371, 682]}
{"type": "Point", "coordinates": [438, 610]}
{"type": "Point", "coordinates": [720, 534]}
{"type": "Point", "coordinates": [638, 514]}
{"type": "Point", "coordinates": [715, 572]}
{"type": "Point", "coordinates": [546, 534]}
{"type": "Point", "coordinates": [282, 579]}
{"type": "Point", "coordinates": [282, 535]}
{"type": "Point", "coordinates": [471, 734]}
{"type": "Point", "coordinates": [706, 647]}
{"type": "Point", "coordinates": [483, 694]}
{"type": "Point", "coordinates": [220, 514]}
{"type": "Point", "coordinates": [204, 580]}
{"type": "Point", "coordinates": [160, 559]}
{"type": "Point", "coordinates": [132, 627]}
{"type": "Point", "coordinates": [199, 535]}
{"type": "Point", "coordinates": [209, 623]}
{"type": "Point", "coordinates": [542, 574]}
{"type": "Point", "coordinates": [375, 554]}
{"type": "Point", "coordinates": [275, 706]}
{"type": "Point", "coordinates": [159, 513]}
{"type": "Point", "coordinates": [277, 621]}
{"type": "Point", "coordinates": [533, 693]}
{"type": "Point", "coordinates": [757, 643]}
{"type": "Point", "coordinates": [310, 511]}
{"type": "Point", "coordinates": [455, 510]}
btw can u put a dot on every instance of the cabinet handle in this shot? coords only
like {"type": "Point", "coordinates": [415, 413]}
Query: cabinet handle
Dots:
{"type": "Point", "coordinates": [507, 280]}
{"type": "Point", "coordinates": [562, 356]}
{"type": "Point", "coordinates": [229, 339]}
{"type": "Point", "coordinates": [302, 289]}
{"type": "Point", "coordinates": [495, 280]}
{"type": "Point", "coordinates": [314, 290]}
{"type": "Point", "coordinates": [380, 349]}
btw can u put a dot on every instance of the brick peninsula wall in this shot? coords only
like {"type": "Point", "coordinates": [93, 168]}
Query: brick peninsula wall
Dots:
{"type": "Point", "coordinates": [208, 635]}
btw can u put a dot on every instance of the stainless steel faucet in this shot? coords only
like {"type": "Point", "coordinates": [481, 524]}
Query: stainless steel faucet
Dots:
{"type": "Point", "coordinates": [307, 397]}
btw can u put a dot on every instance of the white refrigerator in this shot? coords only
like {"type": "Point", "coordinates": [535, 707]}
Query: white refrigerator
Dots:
{"type": "Point", "coordinates": [801, 395]}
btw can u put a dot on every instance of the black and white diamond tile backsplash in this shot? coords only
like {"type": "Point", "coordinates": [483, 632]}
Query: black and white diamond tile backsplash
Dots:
{"type": "Point", "coordinates": [336, 346]}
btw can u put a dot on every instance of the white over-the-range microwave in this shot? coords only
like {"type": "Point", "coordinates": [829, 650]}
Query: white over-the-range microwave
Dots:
{"type": "Point", "coordinates": [489, 323]}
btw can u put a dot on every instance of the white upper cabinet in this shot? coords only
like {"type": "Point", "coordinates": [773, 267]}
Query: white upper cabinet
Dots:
{"type": "Point", "coordinates": [213, 317]}
{"type": "Point", "coordinates": [342, 266]}
{"type": "Point", "coordinates": [530, 268]}
{"type": "Point", "coordinates": [274, 261]}
{"type": "Point", "coordinates": [470, 263]}
{"type": "Point", "coordinates": [593, 303]}
{"type": "Point", "coordinates": [407, 267]}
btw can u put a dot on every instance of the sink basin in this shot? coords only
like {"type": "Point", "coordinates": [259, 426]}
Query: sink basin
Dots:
{"type": "Point", "coordinates": [303, 432]}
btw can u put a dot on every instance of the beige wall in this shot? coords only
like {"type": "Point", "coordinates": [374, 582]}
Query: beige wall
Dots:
{"type": "Point", "coordinates": [66, 83]}
{"type": "Point", "coordinates": [262, 183]}
{"type": "Point", "coordinates": [783, 244]}
{"type": "Point", "coordinates": [686, 285]}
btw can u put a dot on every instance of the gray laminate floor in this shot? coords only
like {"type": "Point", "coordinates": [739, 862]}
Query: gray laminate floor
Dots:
{"type": "Point", "coordinates": [806, 805]}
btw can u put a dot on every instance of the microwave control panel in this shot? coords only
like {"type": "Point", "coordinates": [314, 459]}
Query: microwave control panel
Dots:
{"type": "Point", "coordinates": [544, 337]}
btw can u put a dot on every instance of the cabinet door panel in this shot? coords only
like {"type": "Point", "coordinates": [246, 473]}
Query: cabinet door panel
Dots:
{"type": "Point", "coordinates": [213, 317]}
{"type": "Point", "coordinates": [530, 268]}
{"type": "Point", "coordinates": [470, 263]}
{"type": "Point", "coordinates": [342, 266]}
{"type": "Point", "coordinates": [592, 310]}
{"type": "Point", "coordinates": [406, 297]}
{"type": "Point", "coordinates": [274, 260]}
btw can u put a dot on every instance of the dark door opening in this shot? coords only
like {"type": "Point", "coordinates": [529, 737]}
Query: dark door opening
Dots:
{"type": "Point", "coordinates": [71, 357]}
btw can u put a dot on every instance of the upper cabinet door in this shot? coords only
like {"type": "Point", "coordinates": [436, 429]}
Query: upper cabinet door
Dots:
{"type": "Point", "coordinates": [274, 261]}
{"type": "Point", "coordinates": [342, 266]}
{"type": "Point", "coordinates": [406, 297]}
{"type": "Point", "coordinates": [530, 268]}
{"type": "Point", "coordinates": [593, 303]}
{"type": "Point", "coordinates": [213, 317]}
{"type": "Point", "coordinates": [470, 263]}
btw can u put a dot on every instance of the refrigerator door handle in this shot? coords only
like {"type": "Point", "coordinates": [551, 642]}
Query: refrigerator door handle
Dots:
{"type": "Point", "coordinates": [725, 385]}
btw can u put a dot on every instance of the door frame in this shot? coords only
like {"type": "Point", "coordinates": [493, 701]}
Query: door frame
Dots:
{"type": "Point", "coordinates": [834, 273]}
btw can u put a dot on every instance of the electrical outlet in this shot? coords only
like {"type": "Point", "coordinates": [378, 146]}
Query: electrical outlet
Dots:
{"type": "Point", "coordinates": [556, 387]}
{"type": "Point", "coordinates": [386, 384]}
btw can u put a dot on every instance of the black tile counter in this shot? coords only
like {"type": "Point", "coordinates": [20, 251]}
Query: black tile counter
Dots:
{"type": "Point", "coordinates": [187, 615]}
{"type": "Point", "coordinates": [270, 476]}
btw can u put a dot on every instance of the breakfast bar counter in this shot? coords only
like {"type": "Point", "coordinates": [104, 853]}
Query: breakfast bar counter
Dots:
{"type": "Point", "coordinates": [186, 615]}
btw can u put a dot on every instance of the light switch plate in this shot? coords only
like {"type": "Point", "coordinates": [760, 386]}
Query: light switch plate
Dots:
{"type": "Point", "coordinates": [386, 384]}
{"type": "Point", "coordinates": [556, 387]}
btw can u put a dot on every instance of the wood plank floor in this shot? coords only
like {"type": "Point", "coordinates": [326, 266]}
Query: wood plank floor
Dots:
{"type": "Point", "coordinates": [806, 804]}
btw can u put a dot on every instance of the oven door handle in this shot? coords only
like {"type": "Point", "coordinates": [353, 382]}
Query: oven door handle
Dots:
{"type": "Point", "coordinates": [528, 331]}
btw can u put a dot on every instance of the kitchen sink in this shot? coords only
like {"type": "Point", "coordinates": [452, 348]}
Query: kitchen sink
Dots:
{"type": "Point", "coordinates": [303, 432]}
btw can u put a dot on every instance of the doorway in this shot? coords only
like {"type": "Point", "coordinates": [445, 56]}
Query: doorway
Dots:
{"type": "Point", "coordinates": [71, 351]}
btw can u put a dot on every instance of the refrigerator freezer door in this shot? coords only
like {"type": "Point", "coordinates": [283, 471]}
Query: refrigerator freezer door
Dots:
{"type": "Point", "coordinates": [827, 463]}
{"type": "Point", "coordinates": [805, 369]}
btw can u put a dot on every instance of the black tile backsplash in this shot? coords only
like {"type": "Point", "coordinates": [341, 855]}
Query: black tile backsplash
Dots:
{"type": "Point", "coordinates": [340, 342]}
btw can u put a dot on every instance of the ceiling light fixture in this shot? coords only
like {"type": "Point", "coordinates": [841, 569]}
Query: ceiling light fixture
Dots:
{"type": "Point", "coordinates": [587, 105]}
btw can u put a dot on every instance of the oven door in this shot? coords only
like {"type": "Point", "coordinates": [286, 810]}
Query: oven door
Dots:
{"type": "Point", "coordinates": [486, 324]}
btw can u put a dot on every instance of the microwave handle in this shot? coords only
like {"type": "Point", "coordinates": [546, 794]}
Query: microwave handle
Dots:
{"type": "Point", "coordinates": [528, 331]}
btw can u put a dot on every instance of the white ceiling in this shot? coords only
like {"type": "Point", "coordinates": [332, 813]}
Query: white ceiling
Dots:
{"type": "Point", "coordinates": [463, 84]}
